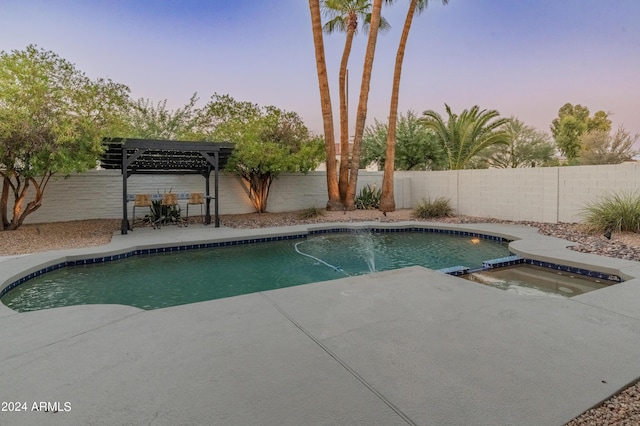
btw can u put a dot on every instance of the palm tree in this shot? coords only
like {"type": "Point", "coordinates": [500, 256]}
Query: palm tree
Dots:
{"type": "Point", "coordinates": [361, 114]}
{"type": "Point", "coordinates": [387, 201]}
{"type": "Point", "coordinates": [464, 136]}
{"type": "Point", "coordinates": [343, 16]}
{"type": "Point", "coordinates": [334, 202]}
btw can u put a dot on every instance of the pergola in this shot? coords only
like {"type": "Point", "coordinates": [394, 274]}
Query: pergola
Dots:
{"type": "Point", "coordinates": [145, 156]}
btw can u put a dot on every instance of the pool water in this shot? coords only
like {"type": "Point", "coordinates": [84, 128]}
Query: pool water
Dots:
{"type": "Point", "coordinates": [176, 278]}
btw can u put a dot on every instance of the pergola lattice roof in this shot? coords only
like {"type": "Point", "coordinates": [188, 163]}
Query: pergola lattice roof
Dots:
{"type": "Point", "coordinates": [165, 157]}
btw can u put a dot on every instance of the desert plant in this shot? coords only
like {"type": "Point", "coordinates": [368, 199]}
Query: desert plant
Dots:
{"type": "Point", "coordinates": [368, 198]}
{"type": "Point", "coordinates": [311, 213]}
{"type": "Point", "coordinates": [617, 212]}
{"type": "Point", "coordinates": [164, 214]}
{"type": "Point", "coordinates": [160, 213]}
{"type": "Point", "coordinates": [440, 207]}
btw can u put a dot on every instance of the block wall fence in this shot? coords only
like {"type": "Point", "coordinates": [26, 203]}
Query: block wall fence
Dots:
{"type": "Point", "coordinates": [549, 194]}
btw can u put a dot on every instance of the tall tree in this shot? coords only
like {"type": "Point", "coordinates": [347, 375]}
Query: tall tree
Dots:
{"type": "Point", "coordinates": [416, 147]}
{"type": "Point", "coordinates": [269, 141]}
{"type": "Point", "coordinates": [52, 120]}
{"type": "Point", "coordinates": [527, 147]}
{"type": "Point", "coordinates": [334, 202]}
{"type": "Point", "coordinates": [599, 147]}
{"type": "Point", "coordinates": [465, 136]}
{"type": "Point", "coordinates": [387, 199]}
{"type": "Point", "coordinates": [361, 115]}
{"type": "Point", "coordinates": [572, 122]}
{"type": "Point", "coordinates": [343, 15]}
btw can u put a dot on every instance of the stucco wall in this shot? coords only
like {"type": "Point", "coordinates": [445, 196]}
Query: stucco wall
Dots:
{"type": "Point", "coordinates": [98, 193]}
{"type": "Point", "coordinates": [553, 194]}
{"type": "Point", "coordinates": [545, 194]}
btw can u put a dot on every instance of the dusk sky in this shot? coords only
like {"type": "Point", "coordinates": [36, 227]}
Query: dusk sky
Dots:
{"type": "Point", "coordinates": [524, 58]}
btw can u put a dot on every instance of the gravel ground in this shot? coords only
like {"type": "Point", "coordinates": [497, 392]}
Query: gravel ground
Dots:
{"type": "Point", "coordinates": [621, 409]}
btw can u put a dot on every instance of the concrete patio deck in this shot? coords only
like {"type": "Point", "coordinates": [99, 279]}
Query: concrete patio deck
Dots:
{"type": "Point", "coordinates": [411, 346]}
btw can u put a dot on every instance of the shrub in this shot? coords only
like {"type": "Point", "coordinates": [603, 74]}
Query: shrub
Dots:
{"type": "Point", "coordinates": [163, 214]}
{"type": "Point", "coordinates": [617, 212]}
{"type": "Point", "coordinates": [311, 212]}
{"type": "Point", "coordinates": [369, 198]}
{"type": "Point", "coordinates": [440, 207]}
{"type": "Point", "coordinates": [160, 213]}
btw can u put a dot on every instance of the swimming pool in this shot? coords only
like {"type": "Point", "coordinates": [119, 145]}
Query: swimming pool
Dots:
{"type": "Point", "coordinates": [174, 278]}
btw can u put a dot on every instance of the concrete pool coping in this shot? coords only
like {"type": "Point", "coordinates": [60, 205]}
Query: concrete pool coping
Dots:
{"type": "Point", "coordinates": [412, 346]}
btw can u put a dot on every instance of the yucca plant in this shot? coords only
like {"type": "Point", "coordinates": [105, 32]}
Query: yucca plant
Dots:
{"type": "Point", "coordinates": [440, 207]}
{"type": "Point", "coordinates": [164, 214]}
{"type": "Point", "coordinates": [161, 213]}
{"type": "Point", "coordinates": [617, 212]}
{"type": "Point", "coordinates": [368, 198]}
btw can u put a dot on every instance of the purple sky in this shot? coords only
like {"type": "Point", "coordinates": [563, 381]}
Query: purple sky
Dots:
{"type": "Point", "coordinates": [524, 58]}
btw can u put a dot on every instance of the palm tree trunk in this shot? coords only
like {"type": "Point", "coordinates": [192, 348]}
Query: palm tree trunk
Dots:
{"type": "Point", "coordinates": [361, 115]}
{"type": "Point", "coordinates": [343, 181]}
{"type": "Point", "coordinates": [334, 202]}
{"type": "Point", "coordinates": [387, 199]}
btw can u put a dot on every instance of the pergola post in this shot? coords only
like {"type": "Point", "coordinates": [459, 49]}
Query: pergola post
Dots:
{"type": "Point", "coordinates": [207, 214]}
{"type": "Point", "coordinates": [215, 188]}
{"type": "Point", "coordinates": [124, 225]}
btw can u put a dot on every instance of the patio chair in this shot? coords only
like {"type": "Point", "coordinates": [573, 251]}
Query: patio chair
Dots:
{"type": "Point", "coordinates": [195, 198]}
{"type": "Point", "coordinates": [140, 200]}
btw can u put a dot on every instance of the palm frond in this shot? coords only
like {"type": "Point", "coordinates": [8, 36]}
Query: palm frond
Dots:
{"type": "Point", "coordinates": [336, 24]}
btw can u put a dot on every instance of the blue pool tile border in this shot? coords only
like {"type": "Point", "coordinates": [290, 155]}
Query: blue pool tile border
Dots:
{"type": "Point", "coordinates": [375, 230]}
{"type": "Point", "coordinates": [517, 260]}
{"type": "Point", "coordinates": [456, 271]}
{"type": "Point", "coordinates": [577, 271]}
{"type": "Point", "coordinates": [503, 261]}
